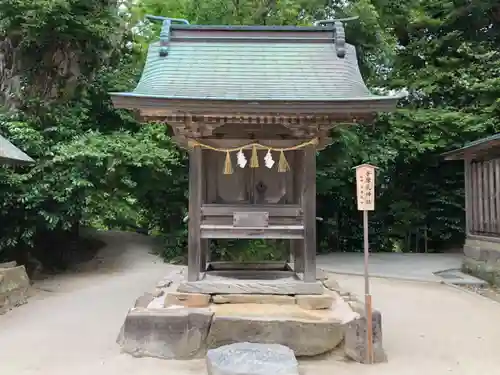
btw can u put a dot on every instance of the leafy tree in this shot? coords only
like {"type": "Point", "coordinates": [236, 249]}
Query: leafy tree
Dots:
{"type": "Point", "coordinates": [93, 163]}
{"type": "Point", "coordinates": [99, 166]}
{"type": "Point", "coordinates": [447, 60]}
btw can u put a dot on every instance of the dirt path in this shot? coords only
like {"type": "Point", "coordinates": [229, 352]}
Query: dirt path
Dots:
{"type": "Point", "coordinates": [71, 326]}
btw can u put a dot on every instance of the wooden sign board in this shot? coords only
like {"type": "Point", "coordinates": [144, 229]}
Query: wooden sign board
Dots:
{"type": "Point", "coordinates": [251, 219]}
{"type": "Point", "coordinates": [365, 187]}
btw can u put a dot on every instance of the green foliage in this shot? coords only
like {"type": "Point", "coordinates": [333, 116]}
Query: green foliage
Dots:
{"type": "Point", "coordinates": [447, 60]}
{"type": "Point", "coordinates": [94, 165]}
{"type": "Point", "coordinates": [97, 166]}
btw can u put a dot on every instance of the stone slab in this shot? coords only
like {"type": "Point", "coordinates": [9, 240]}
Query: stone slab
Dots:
{"type": "Point", "coordinates": [144, 300]}
{"type": "Point", "coordinates": [252, 359]}
{"type": "Point", "coordinates": [166, 333]}
{"type": "Point", "coordinates": [271, 265]}
{"type": "Point", "coordinates": [315, 302]}
{"type": "Point", "coordinates": [253, 298]}
{"type": "Point", "coordinates": [280, 287]}
{"type": "Point", "coordinates": [8, 264]}
{"type": "Point", "coordinates": [331, 284]}
{"type": "Point", "coordinates": [355, 342]}
{"type": "Point", "coordinates": [304, 337]}
{"type": "Point", "coordinates": [187, 299]}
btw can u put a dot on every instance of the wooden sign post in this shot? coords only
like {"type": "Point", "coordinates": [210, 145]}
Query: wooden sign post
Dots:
{"type": "Point", "coordinates": [365, 188]}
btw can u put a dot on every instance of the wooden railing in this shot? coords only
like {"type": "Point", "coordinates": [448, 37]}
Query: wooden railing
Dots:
{"type": "Point", "coordinates": [483, 197]}
{"type": "Point", "coordinates": [252, 221]}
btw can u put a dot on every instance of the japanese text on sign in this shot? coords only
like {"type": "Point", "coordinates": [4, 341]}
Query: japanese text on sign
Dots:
{"type": "Point", "coordinates": [365, 187]}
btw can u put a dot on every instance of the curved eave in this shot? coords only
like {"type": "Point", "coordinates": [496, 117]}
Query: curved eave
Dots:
{"type": "Point", "coordinates": [256, 106]}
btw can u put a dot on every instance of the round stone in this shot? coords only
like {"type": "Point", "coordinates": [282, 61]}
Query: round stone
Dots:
{"type": "Point", "coordinates": [252, 359]}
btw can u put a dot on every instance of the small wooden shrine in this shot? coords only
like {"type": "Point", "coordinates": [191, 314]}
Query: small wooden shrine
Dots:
{"type": "Point", "coordinates": [253, 105]}
{"type": "Point", "coordinates": [482, 206]}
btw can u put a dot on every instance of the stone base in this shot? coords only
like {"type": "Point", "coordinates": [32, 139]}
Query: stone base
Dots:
{"type": "Point", "coordinates": [482, 259]}
{"type": "Point", "coordinates": [307, 333]}
{"type": "Point", "coordinates": [14, 287]}
{"type": "Point", "coordinates": [169, 327]}
{"type": "Point", "coordinates": [166, 333]}
{"type": "Point", "coordinates": [251, 282]}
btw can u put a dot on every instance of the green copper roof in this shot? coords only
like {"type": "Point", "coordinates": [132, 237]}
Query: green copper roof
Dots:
{"type": "Point", "coordinates": [10, 154]}
{"type": "Point", "coordinates": [253, 64]}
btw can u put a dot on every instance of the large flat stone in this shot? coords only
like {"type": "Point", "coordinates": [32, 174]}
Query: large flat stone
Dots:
{"type": "Point", "coordinates": [315, 302]}
{"type": "Point", "coordinates": [305, 337]}
{"type": "Point", "coordinates": [252, 359]}
{"type": "Point", "coordinates": [254, 298]}
{"type": "Point", "coordinates": [187, 299]}
{"type": "Point", "coordinates": [280, 287]}
{"type": "Point", "coordinates": [166, 333]}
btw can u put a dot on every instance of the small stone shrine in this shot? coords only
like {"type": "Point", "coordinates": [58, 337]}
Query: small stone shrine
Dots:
{"type": "Point", "coordinates": [253, 105]}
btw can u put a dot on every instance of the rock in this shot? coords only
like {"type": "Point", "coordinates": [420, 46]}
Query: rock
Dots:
{"type": "Point", "coordinates": [158, 292]}
{"type": "Point", "coordinates": [304, 337]}
{"type": "Point", "coordinates": [14, 288]}
{"type": "Point", "coordinates": [187, 299]}
{"type": "Point", "coordinates": [315, 302]}
{"type": "Point", "coordinates": [166, 333]}
{"type": "Point", "coordinates": [358, 307]}
{"type": "Point", "coordinates": [164, 284]}
{"type": "Point", "coordinates": [252, 359]}
{"type": "Point", "coordinates": [355, 336]}
{"type": "Point", "coordinates": [321, 275]}
{"type": "Point", "coordinates": [144, 300]}
{"type": "Point", "coordinates": [253, 298]}
{"type": "Point", "coordinates": [8, 264]}
{"type": "Point", "coordinates": [331, 284]}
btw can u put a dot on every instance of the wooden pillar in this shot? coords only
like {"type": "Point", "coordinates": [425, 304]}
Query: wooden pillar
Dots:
{"type": "Point", "coordinates": [298, 255]}
{"type": "Point", "coordinates": [468, 196]}
{"type": "Point", "coordinates": [309, 212]}
{"type": "Point", "coordinates": [195, 199]}
{"type": "Point", "coordinates": [497, 195]}
{"type": "Point", "coordinates": [297, 246]}
{"type": "Point", "coordinates": [491, 198]}
{"type": "Point", "coordinates": [480, 197]}
{"type": "Point", "coordinates": [474, 225]}
{"type": "Point", "coordinates": [204, 253]}
{"type": "Point", "coordinates": [487, 194]}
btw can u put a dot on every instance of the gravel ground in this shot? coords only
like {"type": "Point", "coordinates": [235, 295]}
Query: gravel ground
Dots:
{"type": "Point", "coordinates": [487, 291]}
{"type": "Point", "coordinates": [70, 325]}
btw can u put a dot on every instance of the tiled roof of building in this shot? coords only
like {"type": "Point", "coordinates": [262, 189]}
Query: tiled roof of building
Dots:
{"type": "Point", "coordinates": [253, 64]}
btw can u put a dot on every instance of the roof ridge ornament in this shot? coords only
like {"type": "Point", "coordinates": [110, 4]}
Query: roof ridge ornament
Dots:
{"type": "Point", "coordinates": [338, 33]}
{"type": "Point", "coordinates": [165, 31]}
